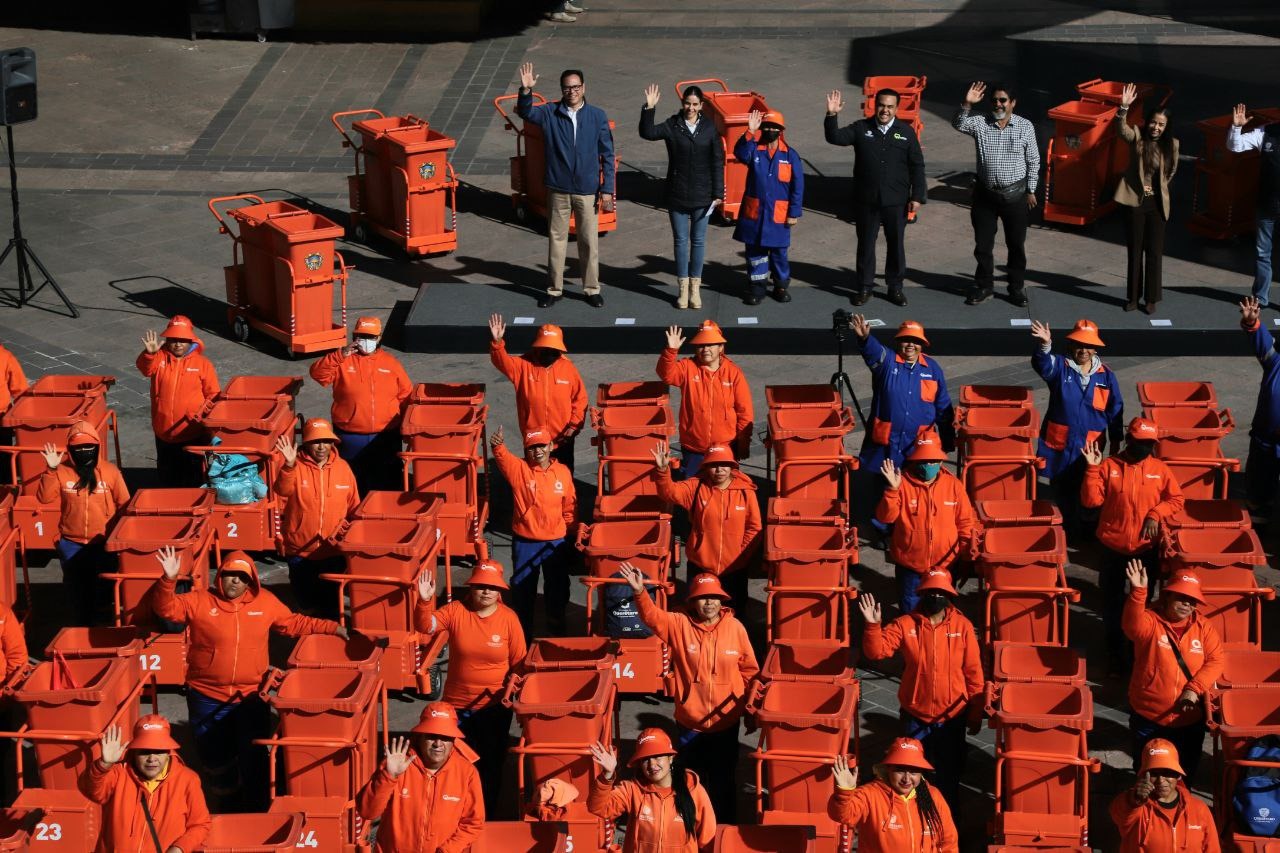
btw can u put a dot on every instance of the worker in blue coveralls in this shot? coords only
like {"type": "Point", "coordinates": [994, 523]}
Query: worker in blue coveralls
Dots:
{"type": "Point", "coordinates": [1262, 470]}
{"type": "Point", "coordinates": [1084, 406]}
{"type": "Point", "coordinates": [771, 203]}
{"type": "Point", "coordinates": [908, 397]}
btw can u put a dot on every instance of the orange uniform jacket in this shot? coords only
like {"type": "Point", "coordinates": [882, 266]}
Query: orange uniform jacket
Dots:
{"type": "Point", "coordinates": [546, 504]}
{"type": "Point", "coordinates": [13, 642]}
{"type": "Point", "coordinates": [441, 812]}
{"type": "Point", "coordinates": [177, 807]}
{"type": "Point", "coordinates": [368, 390]}
{"type": "Point", "coordinates": [942, 672]}
{"type": "Point", "coordinates": [1128, 493]}
{"type": "Point", "coordinates": [889, 823]}
{"type": "Point", "coordinates": [180, 387]}
{"type": "Point", "coordinates": [724, 524]}
{"type": "Point", "coordinates": [1148, 827]}
{"type": "Point", "coordinates": [12, 380]}
{"type": "Point", "coordinates": [653, 824]}
{"type": "Point", "coordinates": [932, 522]}
{"type": "Point", "coordinates": [712, 664]}
{"type": "Point", "coordinates": [227, 646]}
{"type": "Point", "coordinates": [318, 499]}
{"type": "Point", "coordinates": [481, 650]}
{"type": "Point", "coordinates": [551, 398]}
{"type": "Point", "coordinates": [86, 513]}
{"type": "Point", "coordinates": [1157, 680]}
{"type": "Point", "coordinates": [715, 408]}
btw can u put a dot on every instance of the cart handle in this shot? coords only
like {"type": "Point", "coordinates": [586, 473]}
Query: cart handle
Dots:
{"type": "Point", "coordinates": [1093, 765]}
{"type": "Point", "coordinates": [724, 87]}
{"type": "Point", "coordinates": [792, 755]}
{"type": "Point", "coordinates": [538, 100]}
{"type": "Point", "coordinates": [349, 143]}
{"type": "Point", "coordinates": [222, 224]}
{"type": "Point", "coordinates": [552, 749]}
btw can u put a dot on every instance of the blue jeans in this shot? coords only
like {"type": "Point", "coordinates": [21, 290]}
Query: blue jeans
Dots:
{"type": "Point", "coordinates": [945, 748]}
{"type": "Point", "coordinates": [908, 580]}
{"type": "Point", "coordinates": [690, 462]}
{"type": "Point", "coordinates": [235, 767]}
{"type": "Point", "coordinates": [1188, 740]}
{"type": "Point", "coordinates": [1262, 272]}
{"type": "Point", "coordinates": [689, 232]}
{"type": "Point", "coordinates": [529, 559]}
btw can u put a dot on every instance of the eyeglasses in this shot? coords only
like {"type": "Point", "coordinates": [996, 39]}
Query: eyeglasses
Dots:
{"type": "Point", "coordinates": [577, 88]}
{"type": "Point", "coordinates": [1001, 100]}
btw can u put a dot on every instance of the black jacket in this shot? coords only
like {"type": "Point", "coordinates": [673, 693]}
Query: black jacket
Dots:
{"type": "Point", "coordinates": [695, 161]}
{"type": "Point", "coordinates": [888, 168]}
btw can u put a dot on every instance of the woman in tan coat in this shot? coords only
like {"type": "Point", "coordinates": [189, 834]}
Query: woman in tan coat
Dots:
{"type": "Point", "coordinates": [1144, 190]}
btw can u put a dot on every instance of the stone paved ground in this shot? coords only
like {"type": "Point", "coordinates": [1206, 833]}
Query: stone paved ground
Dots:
{"type": "Point", "coordinates": [137, 133]}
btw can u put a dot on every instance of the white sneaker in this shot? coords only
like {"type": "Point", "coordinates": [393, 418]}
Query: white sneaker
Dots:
{"type": "Point", "coordinates": [561, 17]}
{"type": "Point", "coordinates": [572, 9]}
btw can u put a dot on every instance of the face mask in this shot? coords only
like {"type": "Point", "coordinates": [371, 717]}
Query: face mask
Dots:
{"type": "Point", "coordinates": [768, 137]}
{"type": "Point", "coordinates": [366, 345]}
{"type": "Point", "coordinates": [84, 457]}
{"type": "Point", "coordinates": [928, 470]}
{"type": "Point", "coordinates": [932, 603]}
{"type": "Point", "coordinates": [1139, 450]}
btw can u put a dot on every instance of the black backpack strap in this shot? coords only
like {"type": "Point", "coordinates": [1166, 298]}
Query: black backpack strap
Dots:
{"type": "Point", "coordinates": [1177, 654]}
{"type": "Point", "coordinates": [151, 824]}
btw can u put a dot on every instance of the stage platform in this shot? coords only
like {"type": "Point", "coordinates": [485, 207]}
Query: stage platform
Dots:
{"type": "Point", "coordinates": [453, 317]}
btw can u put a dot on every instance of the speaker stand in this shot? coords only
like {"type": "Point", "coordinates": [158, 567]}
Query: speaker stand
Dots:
{"type": "Point", "coordinates": [23, 254]}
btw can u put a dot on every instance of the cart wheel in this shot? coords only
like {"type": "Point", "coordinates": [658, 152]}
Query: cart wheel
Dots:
{"type": "Point", "coordinates": [262, 36]}
{"type": "Point", "coordinates": [522, 213]}
{"type": "Point", "coordinates": [360, 233]}
{"type": "Point", "coordinates": [240, 329]}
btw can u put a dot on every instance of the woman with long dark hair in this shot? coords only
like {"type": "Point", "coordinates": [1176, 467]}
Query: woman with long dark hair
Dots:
{"type": "Point", "coordinates": [677, 811]}
{"type": "Point", "coordinates": [1144, 190]}
{"type": "Point", "coordinates": [695, 182]}
{"type": "Point", "coordinates": [898, 799]}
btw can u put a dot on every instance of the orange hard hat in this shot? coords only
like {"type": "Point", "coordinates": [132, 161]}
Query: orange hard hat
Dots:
{"type": "Point", "coordinates": [1143, 430]}
{"type": "Point", "coordinates": [1185, 582]}
{"type": "Point", "coordinates": [912, 329]}
{"type": "Point", "coordinates": [939, 579]}
{"type": "Point", "coordinates": [536, 436]}
{"type": "Point", "coordinates": [550, 337]}
{"type": "Point", "coordinates": [179, 329]}
{"type": "Point", "coordinates": [488, 573]}
{"type": "Point", "coordinates": [906, 752]}
{"type": "Point", "coordinates": [927, 448]}
{"type": "Point", "coordinates": [367, 326]}
{"type": "Point", "coordinates": [708, 333]}
{"type": "Point", "coordinates": [719, 455]}
{"type": "Point", "coordinates": [438, 718]}
{"type": "Point", "coordinates": [83, 432]}
{"type": "Point", "coordinates": [706, 585]}
{"type": "Point", "coordinates": [1085, 332]}
{"type": "Point", "coordinates": [651, 743]}
{"type": "Point", "coordinates": [1160, 754]}
{"type": "Point", "coordinates": [774, 117]}
{"type": "Point", "coordinates": [151, 734]}
{"type": "Point", "coordinates": [318, 429]}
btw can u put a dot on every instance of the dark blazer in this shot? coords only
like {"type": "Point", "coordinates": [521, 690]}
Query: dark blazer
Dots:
{"type": "Point", "coordinates": [888, 168]}
{"type": "Point", "coordinates": [695, 161]}
{"type": "Point", "coordinates": [580, 164]}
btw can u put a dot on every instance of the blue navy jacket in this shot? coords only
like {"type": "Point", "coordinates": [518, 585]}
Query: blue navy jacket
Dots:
{"type": "Point", "coordinates": [1266, 417]}
{"type": "Point", "coordinates": [905, 400]}
{"type": "Point", "coordinates": [573, 164]}
{"type": "Point", "coordinates": [774, 191]}
{"type": "Point", "coordinates": [1077, 414]}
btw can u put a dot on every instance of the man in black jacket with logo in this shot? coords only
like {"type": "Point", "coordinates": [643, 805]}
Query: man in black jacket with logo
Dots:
{"type": "Point", "coordinates": [888, 180]}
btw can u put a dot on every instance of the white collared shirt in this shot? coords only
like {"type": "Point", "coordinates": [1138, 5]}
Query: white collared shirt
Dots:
{"type": "Point", "coordinates": [573, 118]}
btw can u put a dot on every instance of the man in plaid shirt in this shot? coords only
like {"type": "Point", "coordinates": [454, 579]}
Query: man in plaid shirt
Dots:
{"type": "Point", "coordinates": [1008, 172]}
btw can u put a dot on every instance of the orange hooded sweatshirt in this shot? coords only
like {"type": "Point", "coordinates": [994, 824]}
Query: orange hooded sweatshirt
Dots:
{"type": "Point", "coordinates": [551, 398]}
{"type": "Point", "coordinates": [176, 804]}
{"type": "Point", "coordinates": [546, 503]}
{"type": "Point", "coordinates": [1129, 493]}
{"type": "Point", "coordinates": [318, 498]}
{"type": "Point", "coordinates": [180, 387]}
{"type": "Point", "coordinates": [932, 522]}
{"type": "Point", "coordinates": [441, 812]}
{"type": "Point", "coordinates": [942, 673]}
{"type": "Point", "coordinates": [227, 645]}
{"type": "Point", "coordinates": [87, 513]}
{"type": "Point", "coordinates": [890, 823]}
{"type": "Point", "coordinates": [712, 664]}
{"type": "Point", "coordinates": [13, 642]}
{"type": "Point", "coordinates": [724, 524]}
{"type": "Point", "coordinates": [482, 651]}
{"type": "Point", "coordinates": [715, 408]}
{"type": "Point", "coordinates": [1157, 680]}
{"type": "Point", "coordinates": [12, 380]}
{"type": "Point", "coordinates": [1149, 827]}
{"type": "Point", "coordinates": [368, 390]}
{"type": "Point", "coordinates": [653, 824]}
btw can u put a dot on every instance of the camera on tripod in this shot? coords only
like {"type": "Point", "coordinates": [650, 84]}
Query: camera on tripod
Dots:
{"type": "Point", "coordinates": [841, 320]}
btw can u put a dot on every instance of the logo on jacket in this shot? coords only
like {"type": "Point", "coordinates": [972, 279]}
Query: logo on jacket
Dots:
{"type": "Point", "coordinates": [1197, 646]}
{"type": "Point", "coordinates": [897, 135]}
{"type": "Point", "coordinates": [213, 611]}
{"type": "Point", "coordinates": [427, 171]}
{"type": "Point", "coordinates": [692, 647]}
{"type": "Point", "coordinates": [312, 261]}
{"type": "Point", "coordinates": [450, 798]}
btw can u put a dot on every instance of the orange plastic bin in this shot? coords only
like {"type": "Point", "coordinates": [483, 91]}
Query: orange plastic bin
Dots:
{"type": "Point", "coordinates": [1190, 431]}
{"type": "Point", "coordinates": [1017, 396]}
{"type": "Point", "coordinates": [1017, 513]}
{"type": "Point", "coordinates": [560, 653]}
{"type": "Point", "coordinates": [997, 431]}
{"type": "Point", "coordinates": [802, 397]}
{"type": "Point", "coordinates": [443, 428]}
{"type": "Point", "coordinates": [826, 661]}
{"type": "Point", "coordinates": [254, 424]}
{"type": "Point", "coordinates": [273, 832]}
{"type": "Point", "coordinates": [809, 432]}
{"type": "Point", "coordinates": [810, 555]}
{"type": "Point", "coordinates": [261, 388]}
{"type": "Point", "coordinates": [326, 651]}
{"type": "Point", "coordinates": [392, 552]}
{"type": "Point", "coordinates": [1036, 662]}
{"type": "Point", "coordinates": [1170, 395]}
{"type": "Point", "coordinates": [177, 502]}
{"type": "Point", "coordinates": [805, 716]}
{"type": "Point", "coordinates": [631, 432]}
{"type": "Point", "coordinates": [647, 393]}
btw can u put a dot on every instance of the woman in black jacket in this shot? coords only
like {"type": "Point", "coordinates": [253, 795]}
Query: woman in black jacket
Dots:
{"type": "Point", "coordinates": [695, 182]}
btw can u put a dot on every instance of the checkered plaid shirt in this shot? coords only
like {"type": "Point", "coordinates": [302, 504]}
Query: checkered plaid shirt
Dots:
{"type": "Point", "coordinates": [1005, 155]}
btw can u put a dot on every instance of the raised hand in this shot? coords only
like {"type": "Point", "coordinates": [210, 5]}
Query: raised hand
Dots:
{"type": "Point", "coordinates": [861, 327]}
{"type": "Point", "coordinates": [288, 450]}
{"type": "Point", "coordinates": [527, 78]}
{"type": "Point", "coordinates": [112, 745]}
{"type": "Point", "coordinates": [1136, 572]}
{"type": "Point", "coordinates": [870, 608]}
{"type": "Point", "coordinates": [1240, 116]}
{"type": "Point", "coordinates": [1040, 331]}
{"type": "Point", "coordinates": [1143, 787]}
{"type": "Point", "coordinates": [651, 95]}
{"type": "Point", "coordinates": [835, 101]}
{"type": "Point", "coordinates": [754, 120]}
{"type": "Point", "coordinates": [497, 328]}
{"type": "Point", "coordinates": [1092, 453]}
{"type": "Point", "coordinates": [675, 340]}
{"type": "Point", "coordinates": [1250, 310]}
{"type": "Point", "coordinates": [977, 91]}
{"type": "Point", "coordinates": [398, 757]}
{"type": "Point", "coordinates": [846, 776]}
{"type": "Point", "coordinates": [661, 456]}
{"type": "Point", "coordinates": [633, 576]}
{"type": "Point", "coordinates": [170, 561]}
{"type": "Point", "coordinates": [891, 474]}
{"type": "Point", "coordinates": [1128, 95]}
{"type": "Point", "coordinates": [52, 455]}
{"type": "Point", "coordinates": [496, 440]}
{"type": "Point", "coordinates": [151, 341]}
{"type": "Point", "coordinates": [427, 585]}
{"type": "Point", "coordinates": [606, 758]}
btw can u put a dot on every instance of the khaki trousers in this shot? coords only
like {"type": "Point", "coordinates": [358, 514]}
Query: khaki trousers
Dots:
{"type": "Point", "coordinates": [583, 208]}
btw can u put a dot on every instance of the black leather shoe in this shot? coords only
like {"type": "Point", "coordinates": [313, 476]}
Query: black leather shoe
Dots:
{"type": "Point", "coordinates": [1018, 297]}
{"type": "Point", "coordinates": [781, 294]}
{"type": "Point", "coordinates": [897, 297]}
{"type": "Point", "coordinates": [595, 300]}
{"type": "Point", "coordinates": [548, 300]}
{"type": "Point", "coordinates": [752, 300]}
{"type": "Point", "coordinates": [860, 297]}
{"type": "Point", "coordinates": [978, 296]}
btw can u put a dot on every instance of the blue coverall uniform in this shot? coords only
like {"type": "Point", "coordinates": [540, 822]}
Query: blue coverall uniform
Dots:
{"type": "Point", "coordinates": [774, 192]}
{"type": "Point", "coordinates": [1262, 470]}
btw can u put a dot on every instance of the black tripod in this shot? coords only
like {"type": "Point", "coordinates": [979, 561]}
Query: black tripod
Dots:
{"type": "Point", "coordinates": [840, 380]}
{"type": "Point", "coordinates": [27, 288]}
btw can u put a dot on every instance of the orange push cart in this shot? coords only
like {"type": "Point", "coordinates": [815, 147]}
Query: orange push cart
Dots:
{"type": "Point", "coordinates": [730, 111]}
{"type": "Point", "coordinates": [528, 171]}
{"type": "Point", "coordinates": [283, 268]}
{"type": "Point", "coordinates": [404, 188]}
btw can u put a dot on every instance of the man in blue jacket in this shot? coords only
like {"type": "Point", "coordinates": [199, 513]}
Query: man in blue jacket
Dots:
{"type": "Point", "coordinates": [772, 202]}
{"type": "Point", "coordinates": [1262, 470]}
{"type": "Point", "coordinates": [579, 177]}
